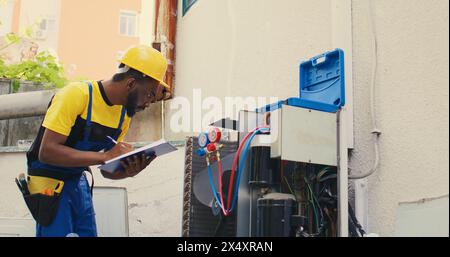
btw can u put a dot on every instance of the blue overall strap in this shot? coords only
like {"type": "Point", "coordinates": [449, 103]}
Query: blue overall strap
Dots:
{"type": "Point", "coordinates": [122, 117]}
{"type": "Point", "coordinates": [89, 115]}
{"type": "Point", "coordinates": [89, 111]}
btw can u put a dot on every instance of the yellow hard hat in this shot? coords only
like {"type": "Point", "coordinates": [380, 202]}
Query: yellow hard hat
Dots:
{"type": "Point", "coordinates": [147, 60]}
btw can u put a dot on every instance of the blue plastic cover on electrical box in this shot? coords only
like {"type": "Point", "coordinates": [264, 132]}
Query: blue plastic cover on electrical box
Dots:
{"type": "Point", "coordinates": [322, 84]}
{"type": "Point", "coordinates": [322, 81]}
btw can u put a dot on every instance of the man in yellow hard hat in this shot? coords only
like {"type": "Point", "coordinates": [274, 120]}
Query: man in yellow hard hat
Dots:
{"type": "Point", "coordinates": [76, 133]}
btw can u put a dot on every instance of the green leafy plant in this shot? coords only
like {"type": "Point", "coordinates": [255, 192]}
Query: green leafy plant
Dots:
{"type": "Point", "coordinates": [2, 66]}
{"type": "Point", "coordinates": [10, 39]}
{"type": "Point", "coordinates": [44, 68]}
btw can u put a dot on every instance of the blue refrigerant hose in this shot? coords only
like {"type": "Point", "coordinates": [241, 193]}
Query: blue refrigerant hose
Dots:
{"type": "Point", "coordinates": [241, 164]}
{"type": "Point", "coordinates": [213, 188]}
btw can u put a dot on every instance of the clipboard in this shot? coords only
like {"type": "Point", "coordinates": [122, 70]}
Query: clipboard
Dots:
{"type": "Point", "coordinates": [157, 148]}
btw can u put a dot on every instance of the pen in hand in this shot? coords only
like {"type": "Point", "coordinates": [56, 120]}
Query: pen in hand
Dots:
{"type": "Point", "coordinates": [118, 149]}
{"type": "Point", "coordinates": [112, 140]}
{"type": "Point", "coordinates": [122, 144]}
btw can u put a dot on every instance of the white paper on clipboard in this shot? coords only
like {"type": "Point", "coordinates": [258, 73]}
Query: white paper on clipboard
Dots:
{"type": "Point", "coordinates": [157, 148]}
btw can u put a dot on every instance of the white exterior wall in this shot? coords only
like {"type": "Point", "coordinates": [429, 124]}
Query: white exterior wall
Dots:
{"type": "Point", "coordinates": [411, 102]}
{"type": "Point", "coordinates": [147, 22]}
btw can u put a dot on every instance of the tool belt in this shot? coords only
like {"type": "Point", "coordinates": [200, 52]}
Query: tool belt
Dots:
{"type": "Point", "coordinates": [41, 195]}
{"type": "Point", "coordinates": [41, 190]}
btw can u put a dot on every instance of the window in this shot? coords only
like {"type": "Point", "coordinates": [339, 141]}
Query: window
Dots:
{"type": "Point", "coordinates": [128, 23]}
{"type": "Point", "coordinates": [187, 4]}
{"type": "Point", "coordinates": [47, 24]}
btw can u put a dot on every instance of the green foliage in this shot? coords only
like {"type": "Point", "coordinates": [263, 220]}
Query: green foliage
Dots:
{"type": "Point", "coordinates": [2, 68]}
{"type": "Point", "coordinates": [43, 69]}
{"type": "Point", "coordinates": [10, 39]}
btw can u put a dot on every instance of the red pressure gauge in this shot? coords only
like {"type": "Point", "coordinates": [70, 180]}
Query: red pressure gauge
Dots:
{"type": "Point", "coordinates": [214, 135]}
{"type": "Point", "coordinates": [211, 147]}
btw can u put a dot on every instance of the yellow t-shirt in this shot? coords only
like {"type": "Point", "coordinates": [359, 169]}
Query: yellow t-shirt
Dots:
{"type": "Point", "coordinates": [68, 111]}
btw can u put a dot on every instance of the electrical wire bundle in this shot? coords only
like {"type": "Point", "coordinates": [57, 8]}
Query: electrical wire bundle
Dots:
{"type": "Point", "coordinates": [321, 204]}
{"type": "Point", "coordinates": [355, 229]}
{"type": "Point", "coordinates": [328, 199]}
{"type": "Point", "coordinates": [318, 221]}
{"type": "Point", "coordinates": [317, 200]}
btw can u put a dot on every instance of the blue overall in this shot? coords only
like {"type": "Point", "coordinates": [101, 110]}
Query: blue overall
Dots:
{"type": "Point", "coordinates": [75, 213]}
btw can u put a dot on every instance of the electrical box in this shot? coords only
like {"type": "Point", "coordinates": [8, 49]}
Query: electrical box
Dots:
{"type": "Point", "coordinates": [111, 211]}
{"type": "Point", "coordinates": [304, 135]}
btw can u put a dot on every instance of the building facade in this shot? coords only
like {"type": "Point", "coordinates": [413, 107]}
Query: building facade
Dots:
{"type": "Point", "coordinates": [87, 36]}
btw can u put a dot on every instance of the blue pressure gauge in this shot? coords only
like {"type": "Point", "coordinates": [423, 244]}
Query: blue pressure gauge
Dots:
{"type": "Point", "coordinates": [203, 140]}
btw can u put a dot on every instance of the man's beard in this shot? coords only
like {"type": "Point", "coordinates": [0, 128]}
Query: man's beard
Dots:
{"type": "Point", "coordinates": [131, 105]}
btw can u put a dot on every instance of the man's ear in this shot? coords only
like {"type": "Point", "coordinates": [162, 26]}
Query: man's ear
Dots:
{"type": "Point", "coordinates": [130, 84]}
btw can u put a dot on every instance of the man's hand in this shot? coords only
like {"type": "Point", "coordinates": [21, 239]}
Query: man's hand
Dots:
{"type": "Point", "coordinates": [132, 166]}
{"type": "Point", "coordinates": [135, 164]}
{"type": "Point", "coordinates": [117, 150]}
